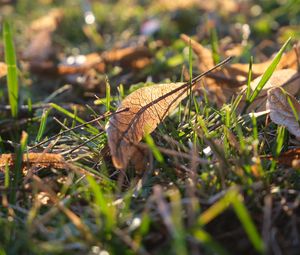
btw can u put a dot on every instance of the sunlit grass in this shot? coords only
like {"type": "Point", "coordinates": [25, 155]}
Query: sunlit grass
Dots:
{"type": "Point", "coordinates": [12, 73]}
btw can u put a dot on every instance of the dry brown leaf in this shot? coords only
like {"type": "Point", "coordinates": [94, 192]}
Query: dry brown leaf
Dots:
{"type": "Point", "coordinates": [287, 78]}
{"type": "Point", "coordinates": [141, 112]}
{"type": "Point", "coordinates": [145, 109]}
{"type": "Point", "coordinates": [40, 47]}
{"type": "Point", "coordinates": [289, 158]}
{"type": "Point", "coordinates": [92, 61]}
{"type": "Point", "coordinates": [212, 5]}
{"type": "Point", "coordinates": [221, 84]}
{"type": "Point", "coordinates": [3, 69]}
{"type": "Point", "coordinates": [205, 57]}
{"type": "Point", "coordinates": [281, 112]}
{"type": "Point", "coordinates": [48, 22]}
{"type": "Point", "coordinates": [233, 50]}
{"type": "Point", "coordinates": [128, 57]}
{"type": "Point", "coordinates": [226, 82]}
{"type": "Point", "coordinates": [131, 57]}
{"type": "Point", "coordinates": [41, 160]}
{"type": "Point", "coordinates": [87, 62]}
{"type": "Point", "coordinates": [288, 61]}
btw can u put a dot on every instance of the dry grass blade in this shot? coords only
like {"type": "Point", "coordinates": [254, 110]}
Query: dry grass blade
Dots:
{"type": "Point", "coordinates": [147, 107]}
{"type": "Point", "coordinates": [284, 110]}
{"type": "Point", "coordinates": [78, 223]}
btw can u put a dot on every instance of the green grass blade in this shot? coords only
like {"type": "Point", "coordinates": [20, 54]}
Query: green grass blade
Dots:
{"type": "Point", "coordinates": [121, 92]}
{"type": "Point", "coordinates": [254, 124]}
{"type": "Point", "coordinates": [42, 125]}
{"type": "Point", "coordinates": [2, 251]}
{"type": "Point", "coordinates": [268, 73]}
{"type": "Point", "coordinates": [279, 140]}
{"type": "Point", "coordinates": [215, 210]}
{"type": "Point", "coordinates": [12, 74]}
{"type": "Point", "coordinates": [208, 241]}
{"type": "Point", "coordinates": [108, 97]}
{"type": "Point", "coordinates": [179, 235]}
{"type": "Point", "coordinates": [90, 128]}
{"type": "Point", "coordinates": [7, 176]}
{"type": "Point", "coordinates": [156, 153]}
{"type": "Point", "coordinates": [103, 204]}
{"type": "Point", "coordinates": [29, 103]}
{"type": "Point", "coordinates": [214, 45]}
{"type": "Point", "coordinates": [295, 113]}
{"type": "Point", "coordinates": [191, 76]}
{"type": "Point", "coordinates": [248, 93]}
{"type": "Point", "coordinates": [233, 198]}
{"type": "Point", "coordinates": [2, 148]}
{"type": "Point", "coordinates": [244, 217]}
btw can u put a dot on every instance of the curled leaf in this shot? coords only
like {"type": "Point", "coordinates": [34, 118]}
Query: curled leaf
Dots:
{"type": "Point", "coordinates": [284, 110]}
{"type": "Point", "coordinates": [287, 78]}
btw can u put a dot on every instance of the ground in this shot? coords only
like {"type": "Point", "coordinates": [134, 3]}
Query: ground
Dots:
{"type": "Point", "coordinates": [216, 176]}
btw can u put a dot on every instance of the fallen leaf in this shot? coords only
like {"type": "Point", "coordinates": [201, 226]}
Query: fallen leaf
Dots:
{"type": "Point", "coordinates": [220, 84]}
{"type": "Point", "coordinates": [81, 64]}
{"type": "Point", "coordinates": [227, 82]}
{"type": "Point", "coordinates": [281, 111]}
{"type": "Point", "coordinates": [146, 108]}
{"type": "Point", "coordinates": [91, 61]}
{"type": "Point", "coordinates": [40, 47]}
{"type": "Point", "coordinates": [128, 57]}
{"type": "Point", "coordinates": [289, 158]}
{"type": "Point", "coordinates": [141, 112]}
{"type": "Point", "coordinates": [287, 78]}
{"type": "Point", "coordinates": [41, 160]}
{"type": "Point", "coordinates": [3, 69]}
{"type": "Point", "coordinates": [48, 22]}
{"type": "Point", "coordinates": [289, 60]}
{"type": "Point", "coordinates": [234, 50]}
{"type": "Point", "coordinates": [210, 6]}
{"type": "Point", "coordinates": [205, 57]}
